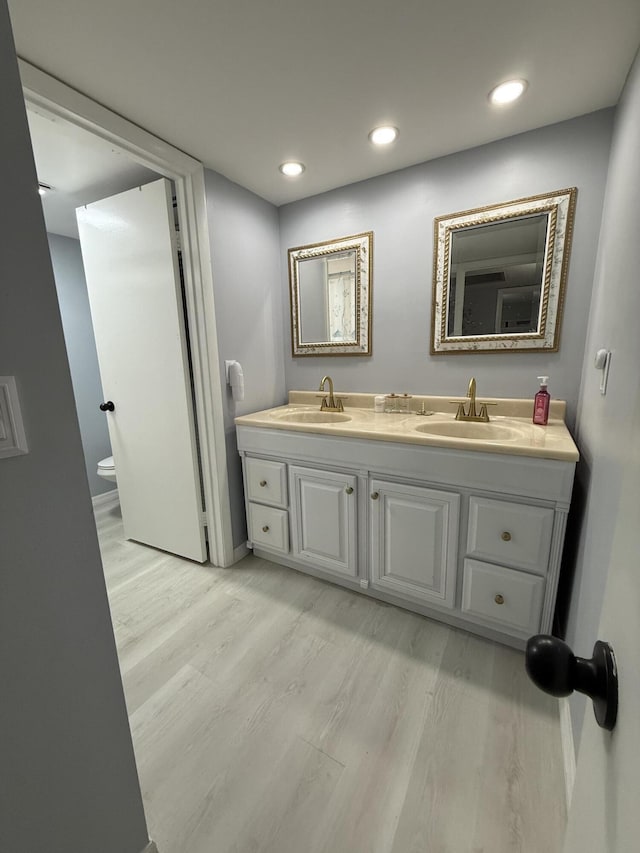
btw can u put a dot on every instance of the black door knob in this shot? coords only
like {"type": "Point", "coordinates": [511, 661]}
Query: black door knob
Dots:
{"type": "Point", "coordinates": [554, 668]}
{"type": "Point", "coordinates": [107, 407]}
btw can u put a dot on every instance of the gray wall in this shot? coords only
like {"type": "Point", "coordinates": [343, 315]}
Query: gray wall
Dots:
{"type": "Point", "coordinates": [246, 277]}
{"type": "Point", "coordinates": [68, 779]}
{"type": "Point", "coordinates": [400, 208]}
{"type": "Point", "coordinates": [81, 351]}
{"type": "Point", "coordinates": [604, 424]}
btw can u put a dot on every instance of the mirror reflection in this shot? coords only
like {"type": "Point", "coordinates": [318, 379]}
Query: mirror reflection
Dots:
{"type": "Point", "coordinates": [330, 288]}
{"type": "Point", "coordinates": [500, 273]}
{"type": "Point", "coordinates": [496, 277]}
{"type": "Point", "coordinates": [327, 292]}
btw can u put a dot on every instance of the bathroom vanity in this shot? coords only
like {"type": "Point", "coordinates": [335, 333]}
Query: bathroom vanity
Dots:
{"type": "Point", "coordinates": [461, 522]}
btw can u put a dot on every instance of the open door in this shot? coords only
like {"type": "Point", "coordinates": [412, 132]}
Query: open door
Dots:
{"type": "Point", "coordinates": [605, 811]}
{"type": "Point", "coordinates": [130, 258]}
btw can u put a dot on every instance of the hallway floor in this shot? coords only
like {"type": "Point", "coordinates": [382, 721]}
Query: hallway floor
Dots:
{"type": "Point", "coordinates": [275, 713]}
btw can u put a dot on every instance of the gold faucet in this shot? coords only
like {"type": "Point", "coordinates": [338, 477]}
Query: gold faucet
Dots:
{"type": "Point", "coordinates": [332, 405]}
{"type": "Point", "coordinates": [472, 413]}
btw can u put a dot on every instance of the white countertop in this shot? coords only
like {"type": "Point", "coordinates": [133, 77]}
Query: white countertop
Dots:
{"type": "Point", "coordinates": [510, 421]}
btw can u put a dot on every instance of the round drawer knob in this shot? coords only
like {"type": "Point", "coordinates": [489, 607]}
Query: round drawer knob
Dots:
{"type": "Point", "coordinates": [499, 599]}
{"type": "Point", "coordinates": [375, 496]}
{"type": "Point", "coordinates": [506, 536]}
{"type": "Point", "coordinates": [263, 483]}
{"type": "Point", "coordinates": [265, 529]}
{"type": "Point", "coordinates": [349, 490]}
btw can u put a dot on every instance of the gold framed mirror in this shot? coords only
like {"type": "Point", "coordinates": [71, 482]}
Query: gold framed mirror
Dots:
{"type": "Point", "coordinates": [330, 291]}
{"type": "Point", "coordinates": [499, 275]}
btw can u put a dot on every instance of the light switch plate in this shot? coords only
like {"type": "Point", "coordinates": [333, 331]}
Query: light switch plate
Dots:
{"type": "Point", "coordinates": [13, 441]}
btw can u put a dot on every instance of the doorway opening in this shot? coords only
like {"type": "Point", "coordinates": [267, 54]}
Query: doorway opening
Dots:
{"type": "Point", "coordinates": [152, 157]}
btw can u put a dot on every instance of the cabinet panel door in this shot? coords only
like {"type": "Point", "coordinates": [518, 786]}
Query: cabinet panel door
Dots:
{"type": "Point", "coordinates": [323, 510]}
{"type": "Point", "coordinates": [414, 537]}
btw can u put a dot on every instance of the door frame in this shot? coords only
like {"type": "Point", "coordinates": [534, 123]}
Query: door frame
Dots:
{"type": "Point", "coordinates": [45, 92]}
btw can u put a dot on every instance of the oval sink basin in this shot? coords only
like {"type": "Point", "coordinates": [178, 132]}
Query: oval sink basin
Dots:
{"type": "Point", "coordinates": [314, 417]}
{"type": "Point", "coordinates": [472, 431]}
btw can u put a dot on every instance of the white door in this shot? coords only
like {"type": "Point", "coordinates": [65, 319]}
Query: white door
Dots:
{"type": "Point", "coordinates": [605, 812]}
{"type": "Point", "coordinates": [414, 541]}
{"type": "Point", "coordinates": [323, 508]}
{"type": "Point", "coordinates": [131, 264]}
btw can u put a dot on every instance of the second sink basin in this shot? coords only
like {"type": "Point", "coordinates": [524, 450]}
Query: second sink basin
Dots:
{"type": "Point", "coordinates": [314, 417]}
{"type": "Point", "coordinates": [471, 430]}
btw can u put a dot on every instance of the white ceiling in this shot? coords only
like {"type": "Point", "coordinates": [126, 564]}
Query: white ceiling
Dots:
{"type": "Point", "coordinates": [245, 84]}
{"type": "Point", "coordinates": [80, 168]}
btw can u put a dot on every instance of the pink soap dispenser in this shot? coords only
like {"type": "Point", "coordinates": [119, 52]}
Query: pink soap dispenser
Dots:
{"type": "Point", "coordinates": [541, 403]}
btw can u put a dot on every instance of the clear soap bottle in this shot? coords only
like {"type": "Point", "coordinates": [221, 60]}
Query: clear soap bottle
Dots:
{"type": "Point", "coordinates": [541, 403]}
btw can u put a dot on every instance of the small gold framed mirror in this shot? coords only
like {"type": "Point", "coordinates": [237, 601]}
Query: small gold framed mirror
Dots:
{"type": "Point", "coordinates": [330, 289]}
{"type": "Point", "coordinates": [499, 275]}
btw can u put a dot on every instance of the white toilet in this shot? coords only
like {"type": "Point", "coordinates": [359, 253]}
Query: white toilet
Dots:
{"type": "Point", "coordinates": [106, 469]}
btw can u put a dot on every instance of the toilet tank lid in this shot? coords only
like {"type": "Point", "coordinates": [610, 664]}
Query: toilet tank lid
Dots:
{"type": "Point", "coordinates": [106, 463]}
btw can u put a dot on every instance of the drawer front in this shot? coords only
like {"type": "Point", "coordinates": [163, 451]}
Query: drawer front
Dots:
{"type": "Point", "coordinates": [502, 597]}
{"type": "Point", "coordinates": [266, 481]}
{"type": "Point", "coordinates": [511, 534]}
{"type": "Point", "coordinates": [269, 527]}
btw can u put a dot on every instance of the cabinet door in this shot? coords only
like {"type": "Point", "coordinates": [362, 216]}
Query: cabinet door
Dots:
{"type": "Point", "coordinates": [414, 542]}
{"type": "Point", "coordinates": [323, 516]}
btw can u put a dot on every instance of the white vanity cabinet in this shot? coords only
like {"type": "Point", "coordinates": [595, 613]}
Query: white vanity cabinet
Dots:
{"type": "Point", "coordinates": [473, 539]}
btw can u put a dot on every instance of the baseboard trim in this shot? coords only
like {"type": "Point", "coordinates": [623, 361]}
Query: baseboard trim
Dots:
{"type": "Point", "coordinates": [150, 848]}
{"type": "Point", "coordinates": [568, 749]}
{"type": "Point", "coordinates": [106, 499]}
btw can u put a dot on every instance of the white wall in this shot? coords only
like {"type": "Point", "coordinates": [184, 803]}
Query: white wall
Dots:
{"type": "Point", "coordinates": [80, 341]}
{"type": "Point", "coordinates": [68, 780]}
{"type": "Point", "coordinates": [604, 424]}
{"type": "Point", "coordinates": [246, 277]}
{"type": "Point", "coordinates": [400, 208]}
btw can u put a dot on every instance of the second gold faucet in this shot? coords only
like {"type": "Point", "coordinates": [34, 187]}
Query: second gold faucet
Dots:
{"type": "Point", "coordinates": [472, 413]}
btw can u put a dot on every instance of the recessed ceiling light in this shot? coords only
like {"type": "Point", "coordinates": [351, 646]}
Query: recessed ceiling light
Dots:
{"type": "Point", "coordinates": [292, 168]}
{"type": "Point", "coordinates": [507, 92]}
{"type": "Point", "coordinates": [383, 135]}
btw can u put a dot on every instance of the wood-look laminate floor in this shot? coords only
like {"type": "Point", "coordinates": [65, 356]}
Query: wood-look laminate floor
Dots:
{"type": "Point", "coordinates": [275, 713]}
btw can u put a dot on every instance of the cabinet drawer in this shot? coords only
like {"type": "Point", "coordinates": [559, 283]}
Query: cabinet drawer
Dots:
{"type": "Point", "coordinates": [266, 481]}
{"type": "Point", "coordinates": [269, 527]}
{"type": "Point", "coordinates": [512, 534]}
{"type": "Point", "coordinates": [503, 597]}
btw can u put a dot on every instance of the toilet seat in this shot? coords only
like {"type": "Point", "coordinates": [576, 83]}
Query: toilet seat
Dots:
{"type": "Point", "coordinates": [107, 469]}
